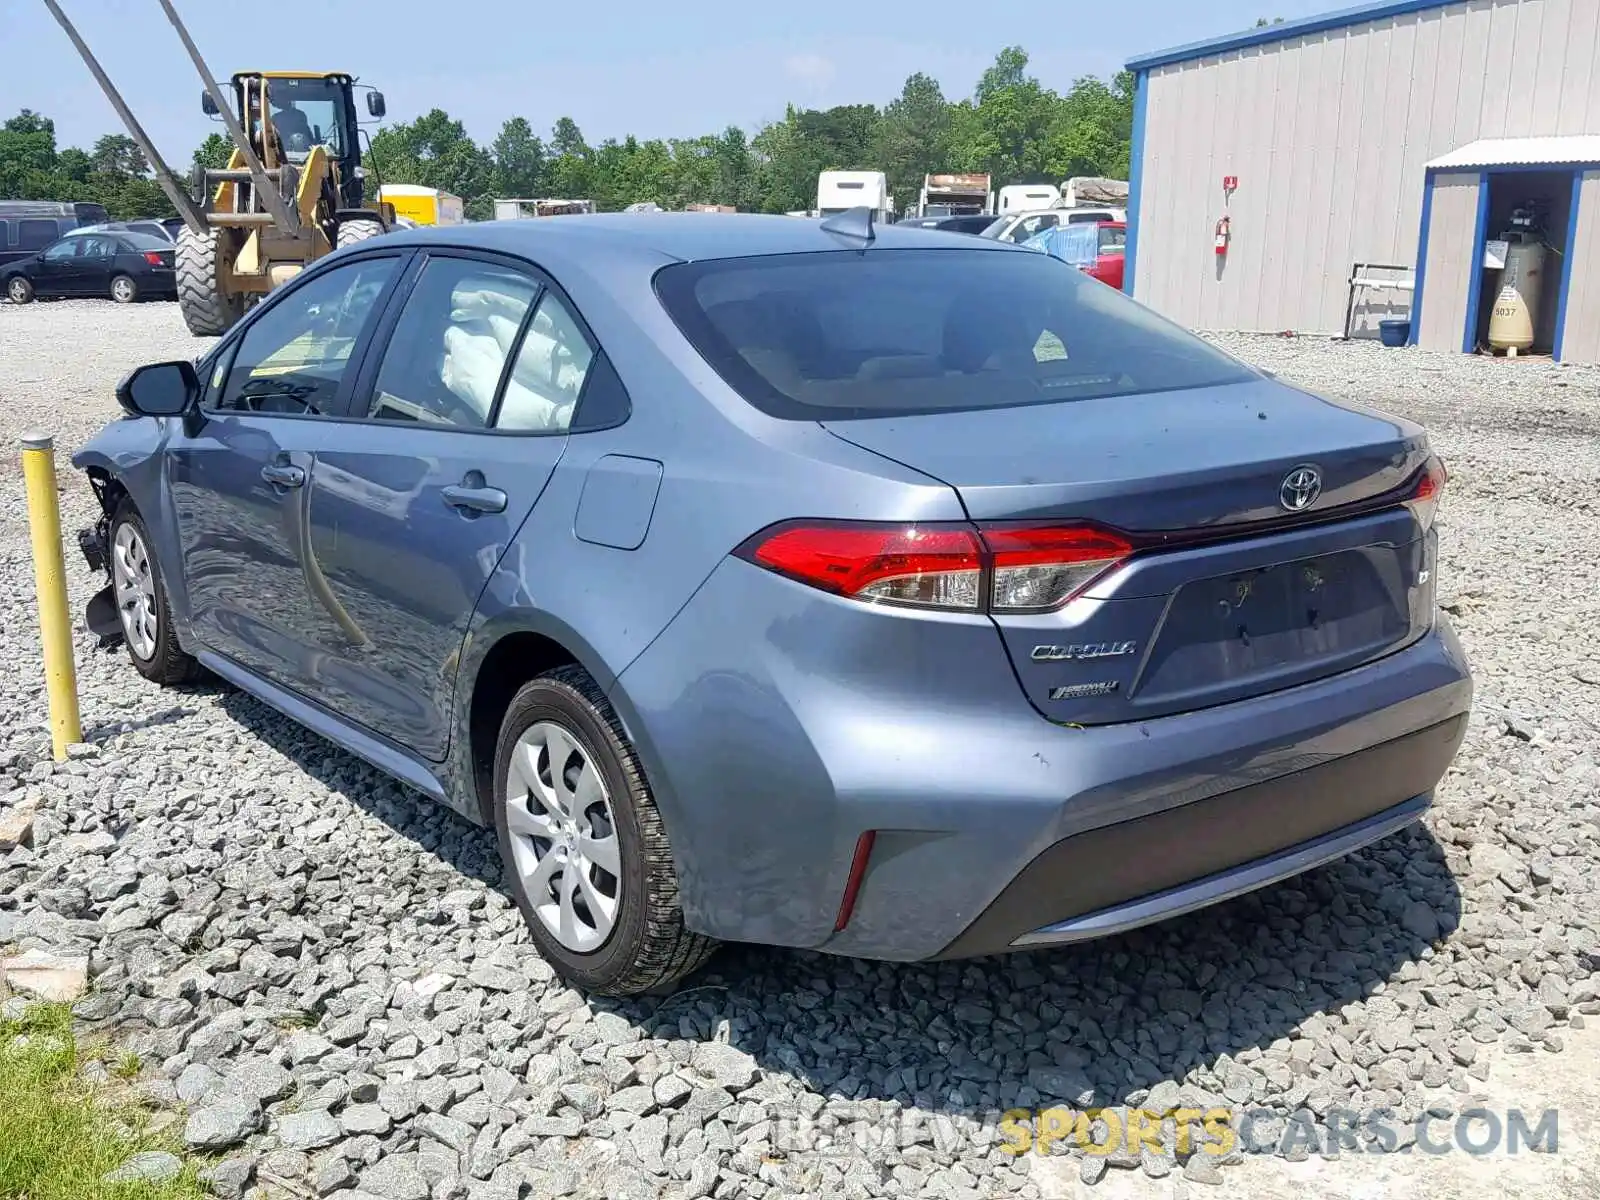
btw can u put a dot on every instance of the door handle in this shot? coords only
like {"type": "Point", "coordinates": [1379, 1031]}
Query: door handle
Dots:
{"type": "Point", "coordinates": [475, 499]}
{"type": "Point", "coordinates": [283, 476]}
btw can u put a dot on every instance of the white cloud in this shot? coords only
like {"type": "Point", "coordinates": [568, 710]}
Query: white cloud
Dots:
{"type": "Point", "coordinates": [808, 68]}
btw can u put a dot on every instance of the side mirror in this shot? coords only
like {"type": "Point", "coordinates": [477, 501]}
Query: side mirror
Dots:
{"type": "Point", "coordinates": [207, 104]}
{"type": "Point", "coordinates": [375, 105]}
{"type": "Point", "coordinates": [165, 389]}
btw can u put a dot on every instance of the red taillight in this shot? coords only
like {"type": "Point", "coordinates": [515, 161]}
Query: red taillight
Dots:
{"type": "Point", "coordinates": [1037, 568]}
{"type": "Point", "coordinates": [1424, 498]}
{"type": "Point", "coordinates": [928, 566]}
{"type": "Point", "coordinates": [964, 568]}
{"type": "Point", "coordinates": [153, 257]}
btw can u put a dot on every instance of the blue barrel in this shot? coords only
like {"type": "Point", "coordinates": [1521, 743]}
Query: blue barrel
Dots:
{"type": "Point", "coordinates": [1394, 333]}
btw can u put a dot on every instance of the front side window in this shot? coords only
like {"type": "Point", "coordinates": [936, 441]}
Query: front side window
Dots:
{"type": "Point", "coordinates": [844, 334]}
{"type": "Point", "coordinates": [449, 348]}
{"type": "Point", "coordinates": [64, 249]}
{"type": "Point", "coordinates": [293, 359]}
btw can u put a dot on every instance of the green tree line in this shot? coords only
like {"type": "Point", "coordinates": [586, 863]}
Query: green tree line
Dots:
{"type": "Point", "coordinates": [1012, 127]}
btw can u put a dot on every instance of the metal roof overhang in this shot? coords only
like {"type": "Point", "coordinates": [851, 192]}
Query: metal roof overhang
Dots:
{"type": "Point", "coordinates": [1556, 152]}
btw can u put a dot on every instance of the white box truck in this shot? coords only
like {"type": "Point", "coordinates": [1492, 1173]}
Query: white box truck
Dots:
{"type": "Point", "coordinates": [838, 191]}
{"type": "Point", "coordinates": [954, 196]}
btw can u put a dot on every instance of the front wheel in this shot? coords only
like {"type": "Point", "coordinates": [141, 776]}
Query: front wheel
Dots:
{"type": "Point", "coordinates": [19, 290]}
{"type": "Point", "coordinates": [124, 290]}
{"type": "Point", "coordinates": [141, 600]}
{"type": "Point", "coordinates": [582, 843]}
{"type": "Point", "coordinates": [357, 229]}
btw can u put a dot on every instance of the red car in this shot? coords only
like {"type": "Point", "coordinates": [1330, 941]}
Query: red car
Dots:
{"type": "Point", "coordinates": [1107, 266]}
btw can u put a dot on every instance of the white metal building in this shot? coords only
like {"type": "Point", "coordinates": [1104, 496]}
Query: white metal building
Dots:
{"type": "Point", "coordinates": [1400, 135]}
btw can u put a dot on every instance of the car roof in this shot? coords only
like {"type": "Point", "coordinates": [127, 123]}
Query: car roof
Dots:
{"type": "Point", "coordinates": [686, 237]}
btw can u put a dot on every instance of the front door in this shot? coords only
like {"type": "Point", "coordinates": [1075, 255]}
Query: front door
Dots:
{"type": "Point", "coordinates": [239, 484]}
{"type": "Point", "coordinates": [57, 268]}
{"type": "Point", "coordinates": [413, 503]}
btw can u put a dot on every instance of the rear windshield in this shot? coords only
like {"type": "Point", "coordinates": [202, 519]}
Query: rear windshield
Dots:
{"type": "Point", "coordinates": [840, 335]}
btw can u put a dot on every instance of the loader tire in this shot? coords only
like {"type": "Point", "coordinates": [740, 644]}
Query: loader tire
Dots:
{"type": "Point", "coordinates": [358, 229]}
{"type": "Point", "coordinates": [207, 309]}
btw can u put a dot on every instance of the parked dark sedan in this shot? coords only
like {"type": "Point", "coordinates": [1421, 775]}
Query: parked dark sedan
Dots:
{"type": "Point", "coordinates": [124, 266]}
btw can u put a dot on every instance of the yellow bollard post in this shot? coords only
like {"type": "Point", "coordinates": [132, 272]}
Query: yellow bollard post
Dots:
{"type": "Point", "coordinates": [50, 581]}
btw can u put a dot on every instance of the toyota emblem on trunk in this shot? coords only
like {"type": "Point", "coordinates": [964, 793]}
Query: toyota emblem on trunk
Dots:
{"type": "Point", "coordinates": [1300, 488]}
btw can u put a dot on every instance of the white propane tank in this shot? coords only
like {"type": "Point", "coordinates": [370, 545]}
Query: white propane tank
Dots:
{"type": "Point", "coordinates": [1516, 308]}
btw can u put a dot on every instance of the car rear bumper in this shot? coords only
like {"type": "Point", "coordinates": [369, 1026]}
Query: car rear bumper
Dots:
{"type": "Point", "coordinates": [1133, 873]}
{"type": "Point", "coordinates": [777, 725]}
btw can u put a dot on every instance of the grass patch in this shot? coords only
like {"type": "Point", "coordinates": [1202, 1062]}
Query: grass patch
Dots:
{"type": "Point", "coordinates": [59, 1135]}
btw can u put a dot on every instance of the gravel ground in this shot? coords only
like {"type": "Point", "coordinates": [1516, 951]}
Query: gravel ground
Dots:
{"type": "Point", "coordinates": [329, 990]}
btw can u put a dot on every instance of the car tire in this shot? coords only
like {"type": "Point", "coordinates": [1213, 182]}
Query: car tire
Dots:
{"type": "Point", "coordinates": [19, 290]}
{"type": "Point", "coordinates": [141, 600]}
{"type": "Point", "coordinates": [641, 945]}
{"type": "Point", "coordinates": [123, 289]}
{"type": "Point", "coordinates": [357, 229]}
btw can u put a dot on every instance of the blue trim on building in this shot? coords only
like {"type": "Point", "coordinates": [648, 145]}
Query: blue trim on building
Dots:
{"type": "Point", "coordinates": [1289, 29]}
{"type": "Point", "coordinates": [1421, 273]}
{"type": "Point", "coordinates": [1566, 264]}
{"type": "Point", "coordinates": [1480, 234]}
{"type": "Point", "coordinates": [1130, 253]}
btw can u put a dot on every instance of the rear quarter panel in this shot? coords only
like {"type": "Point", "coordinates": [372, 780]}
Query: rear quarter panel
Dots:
{"type": "Point", "coordinates": [726, 472]}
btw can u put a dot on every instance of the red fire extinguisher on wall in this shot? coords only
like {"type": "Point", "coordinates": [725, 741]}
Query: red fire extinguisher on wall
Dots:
{"type": "Point", "coordinates": [1223, 235]}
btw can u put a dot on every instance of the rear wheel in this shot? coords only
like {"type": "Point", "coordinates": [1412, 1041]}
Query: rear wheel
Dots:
{"type": "Point", "coordinates": [19, 290]}
{"type": "Point", "coordinates": [358, 229]}
{"type": "Point", "coordinates": [202, 259]}
{"type": "Point", "coordinates": [141, 601]}
{"type": "Point", "coordinates": [124, 290]}
{"type": "Point", "coordinates": [584, 850]}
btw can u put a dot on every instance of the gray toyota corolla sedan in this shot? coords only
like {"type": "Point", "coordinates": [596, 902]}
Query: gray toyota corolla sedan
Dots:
{"type": "Point", "coordinates": [871, 591]}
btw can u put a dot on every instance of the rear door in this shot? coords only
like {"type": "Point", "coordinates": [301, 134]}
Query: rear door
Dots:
{"type": "Point", "coordinates": [456, 427]}
{"type": "Point", "coordinates": [93, 267]}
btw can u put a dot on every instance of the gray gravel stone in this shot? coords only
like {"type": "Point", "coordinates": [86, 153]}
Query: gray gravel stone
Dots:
{"type": "Point", "coordinates": [229, 1178]}
{"type": "Point", "coordinates": [308, 1130]}
{"type": "Point", "coordinates": [223, 1122]}
{"type": "Point", "coordinates": [396, 1178]}
{"type": "Point", "coordinates": [152, 1166]}
{"type": "Point", "coordinates": [261, 1078]}
{"type": "Point", "coordinates": [366, 1118]}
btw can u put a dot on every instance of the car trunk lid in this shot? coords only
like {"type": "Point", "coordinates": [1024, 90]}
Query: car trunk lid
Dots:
{"type": "Point", "coordinates": [1223, 592]}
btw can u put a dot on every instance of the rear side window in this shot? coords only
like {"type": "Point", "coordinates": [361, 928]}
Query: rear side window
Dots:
{"type": "Point", "coordinates": [841, 335]}
{"type": "Point", "coordinates": [36, 234]}
{"type": "Point", "coordinates": [449, 349]}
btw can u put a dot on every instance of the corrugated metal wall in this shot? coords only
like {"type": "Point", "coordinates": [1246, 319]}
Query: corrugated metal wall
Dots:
{"type": "Point", "coordinates": [1452, 221]}
{"type": "Point", "coordinates": [1581, 341]}
{"type": "Point", "coordinates": [1328, 134]}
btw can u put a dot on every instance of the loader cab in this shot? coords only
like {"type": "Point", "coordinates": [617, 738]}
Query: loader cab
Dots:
{"type": "Point", "coordinates": [308, 109]}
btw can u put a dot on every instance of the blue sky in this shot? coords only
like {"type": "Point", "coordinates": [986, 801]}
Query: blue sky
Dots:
{"type": "Point", "coordinates": [656, 70]}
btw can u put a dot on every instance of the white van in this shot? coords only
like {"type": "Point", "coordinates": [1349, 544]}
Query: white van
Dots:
{"type": "Point", "coordinates": [1017, 197]}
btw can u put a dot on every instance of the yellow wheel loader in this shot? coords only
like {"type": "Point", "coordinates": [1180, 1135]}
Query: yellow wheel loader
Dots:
{"type": "Point", "coordinates": [292, 192]}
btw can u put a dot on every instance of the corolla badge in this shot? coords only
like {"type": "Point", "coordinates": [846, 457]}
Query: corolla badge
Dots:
{"type": "Point", "coordinates": [1083, 650]}
{"type": "Point", "coordinates": [1300, 488]}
